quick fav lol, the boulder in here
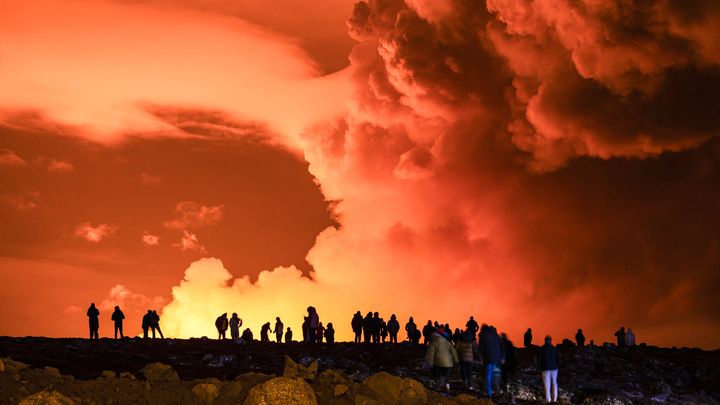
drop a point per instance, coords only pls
(282, 390)
(46, 398)
(293, 369)
(396, 390)
(108, 374)
(52, 372)
(158, 372)
(361, 399)
(206, 392)
(340, 389)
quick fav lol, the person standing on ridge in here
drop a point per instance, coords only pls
(527, 338)
(278, 329)
(235, 324)
(313, 323)
(146, 322)
(580, 338)
(548, 360)
(221, 323)
(94, 322)
(367, 327)
(427, 332)
(620, 335)
(155, 324)
(629, 338)
(410, 328)
(472, 326)
(330, 333)
(288, 335)
(393, 327)
(357, 326)
(320, 333)
(265, 332)
(117, 318)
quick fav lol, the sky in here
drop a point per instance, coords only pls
(533, 163)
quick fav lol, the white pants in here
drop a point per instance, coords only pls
(550, 381)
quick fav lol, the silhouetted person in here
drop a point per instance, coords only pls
(155, 324)
(94, 321)
(383, 330)
(472, 326)
(427, 332)
(580, 338)
(357, 326)
(288, 335)
(265, 332)
(320, 333)
(629, 338)
(313, 322)
(221, 323)
(548, 360)
(367, 327)
(375, 331)
(235, 324)
(620, 335)
(117, 318)
(146, 322)
(278, 329)
(247, 335)
(490, 351)
(393, 327)
(527, 338)
(330, 333)
(410, 328)
(509, 365)
(305, 328)
(456, 336)
(441, 355)
(467, 350)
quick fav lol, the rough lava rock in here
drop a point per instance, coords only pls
(282, 390)
(396, 390)
(158, 372)
(46, 398)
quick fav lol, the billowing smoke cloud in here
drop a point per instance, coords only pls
(480, 172)
(538, 163)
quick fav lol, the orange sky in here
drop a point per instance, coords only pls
(531, 162)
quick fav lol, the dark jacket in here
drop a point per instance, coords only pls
(393, 326)
(118, 316)
(490, 347)
(548, 358)
(357, 323)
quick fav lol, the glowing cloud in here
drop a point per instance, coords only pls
(150, 239)
(10, 158)
(190, 242)
(193, 215)
(94, 233)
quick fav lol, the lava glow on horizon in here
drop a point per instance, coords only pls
(551, 164)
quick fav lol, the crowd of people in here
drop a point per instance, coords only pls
(471, 346)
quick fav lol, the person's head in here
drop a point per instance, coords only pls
(377, 315)
(503, 336)
(430, 322)
(234, 315)
(329, 325)
(529, 330)
(358, 313)
(471, 318)
(392, 317)
(154, 312)
(150, 311)
(117, 308)
(92, 305)
(369, 315)
(288, 329)
(548, 340)
(277, 318)
(484, 328)
(622, 328)
(580, 331)
(411, 319)
(320, 324)
(440, 330)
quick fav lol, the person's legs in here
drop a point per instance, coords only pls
(444, 376)
(160, 332)
(488, 378)
(153, 331)
(145, 333)
(553, 379)
(546, 383)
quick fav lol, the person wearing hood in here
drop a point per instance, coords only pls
(330, 333)
(393, 327)
(94, 322)
(441, 355)
(357, 326)
(468, 352)
(117, 318)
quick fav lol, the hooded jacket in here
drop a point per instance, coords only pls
(441, 352)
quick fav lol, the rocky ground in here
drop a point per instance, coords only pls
(202, 371)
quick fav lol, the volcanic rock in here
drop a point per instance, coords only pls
(46, 398)
(396, 390)
(282, 390)
(206, 392)
(157, 372)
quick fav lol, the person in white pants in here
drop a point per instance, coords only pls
(548, 360)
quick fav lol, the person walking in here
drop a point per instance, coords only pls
(442, 356)
(117, 318)
(549, 361)
(468, 352)
(94, 321)
(491, 355)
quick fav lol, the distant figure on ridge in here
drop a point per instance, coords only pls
(155, 324)
(313, 322)
(411, 328)
(427, 332)
(330, 333)
(383, 330)
(441, 355)
(320, 333)
(580, 338)
(393, 327)
(629, 338)
(93, 318)
(620, 335)
(527, 338)
(472, 326)
(117, 318)
(278, 329)
(221, 323)
(146, 322)
(265, 332)
(288, 335)
(247, 335)
(305, 328)
(375, 331)
(548, 360)
(468, 352)
(235, 324)
(357, 326)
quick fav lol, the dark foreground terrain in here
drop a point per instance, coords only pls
(201, 371)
